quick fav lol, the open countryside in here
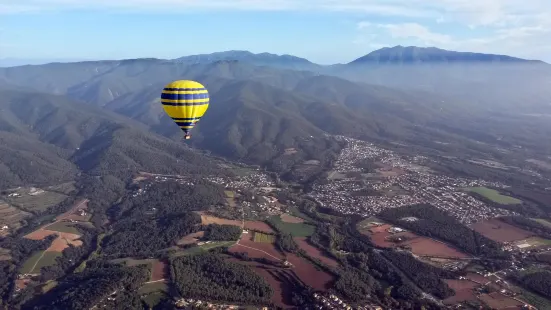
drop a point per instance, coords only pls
(494, 196)
(500, 231)
(389, 236)
(253, 225)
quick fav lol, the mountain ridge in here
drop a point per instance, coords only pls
(301, 63)
(413, 54)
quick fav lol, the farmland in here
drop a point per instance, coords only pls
(260, 237)
(191, 238)
(35, 200)
(532, 242)
(543, 222)
(63, 227)
(418, 245)
(314, 252)
(39, 260)
(230, 198)
(294, 229)
(499, 301)
(257, 249)
(464, 291)
(159, 270)
(494, 195)
(153, 293)
(309, 274)
(253, 225)
(282, 279)
(60, 243)
(287, 218)
(499, 231)
(201, 248)
(11, 216)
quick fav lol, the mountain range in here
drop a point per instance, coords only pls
(262, 105)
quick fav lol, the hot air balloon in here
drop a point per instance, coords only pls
(185, 102)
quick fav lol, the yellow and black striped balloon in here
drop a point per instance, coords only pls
(185, 102)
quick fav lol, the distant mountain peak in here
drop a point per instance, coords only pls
(413, 54)
(262, 59)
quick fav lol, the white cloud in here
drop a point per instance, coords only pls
(499, 13)
(415, 31)
(531, 41)
(522, 26)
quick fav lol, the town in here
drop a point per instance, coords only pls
(399, 182)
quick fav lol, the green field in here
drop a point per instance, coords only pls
(63, 227)
(43, 258)
(535, 299)
(64, 188)
(202, 248)
(535, 241)
(543, 222)
(153, 287)
(296, 212)
(260, 237)
(131, 262)
(494, 195)
(48, 286)
(229, 194)
(153, 299)
(294, 229)
(37, 203)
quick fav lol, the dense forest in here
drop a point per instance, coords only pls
(537, 281)
(88, 288)
(285, 243)
(433, 222)
(427, 277)
(143, 237)
(163, 210)
(216, 232)
(170, 197)
(210, 277)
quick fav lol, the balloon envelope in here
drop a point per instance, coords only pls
(185, 102)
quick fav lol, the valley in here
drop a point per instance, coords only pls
(321, 188)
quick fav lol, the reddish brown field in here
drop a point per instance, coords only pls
(287, 218)
(260, 226)
(464, 290)
(419, 245)
(257, 249)
(499, 301)
(317, 279)
(39, 234)
(315, 252)
(159, 270)
(22, 283)
(191, 238)
(60, 243)
(282, 292)
(425, 246)
(255, 225)
(499, 231)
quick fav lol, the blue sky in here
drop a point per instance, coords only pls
(324, 31)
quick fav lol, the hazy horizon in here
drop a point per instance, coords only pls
(324, 32)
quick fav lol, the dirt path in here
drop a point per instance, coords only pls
(36, 263)
(248, 247)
